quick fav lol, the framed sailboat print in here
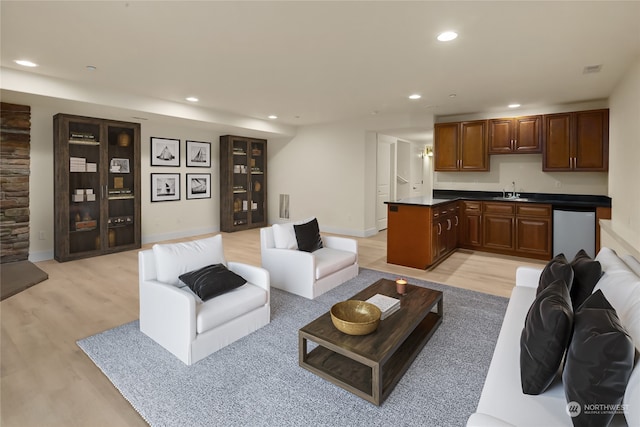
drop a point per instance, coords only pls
(165, 152)
(198, 186)
(165, 187)
(198, 154)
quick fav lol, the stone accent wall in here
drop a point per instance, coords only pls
(15, 160)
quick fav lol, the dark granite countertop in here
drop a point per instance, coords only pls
(558, 201)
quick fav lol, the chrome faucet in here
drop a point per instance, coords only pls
(514, 195)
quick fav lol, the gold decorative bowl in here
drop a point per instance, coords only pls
(355, 317)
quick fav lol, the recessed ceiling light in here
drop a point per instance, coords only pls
(26, 63)
(447, 36)
(452, 95)
(592, 69)
(513, 105)
(415, 96)
(273, 116)
(192, 99)
(91, 67)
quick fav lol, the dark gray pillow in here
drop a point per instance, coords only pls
(211, 281)
(586, 273)
(599, 361)
(545, 337)
(557, 268)
(308, 236)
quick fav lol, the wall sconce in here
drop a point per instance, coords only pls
(428, 152)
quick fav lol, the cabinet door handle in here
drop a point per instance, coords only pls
(448, 224)
(439, 229)
(457, 220)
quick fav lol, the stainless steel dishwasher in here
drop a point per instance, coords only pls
(574, 229)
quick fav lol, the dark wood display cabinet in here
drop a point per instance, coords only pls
(97, 186)
(243, 183)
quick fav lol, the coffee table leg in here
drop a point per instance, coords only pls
(302, 349)
(376, 383)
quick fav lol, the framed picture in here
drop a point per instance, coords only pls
(165, 152)
(198, 186)
(165, 187)
(119, 165)
(198, 154)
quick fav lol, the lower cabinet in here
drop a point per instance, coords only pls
(533, 230)
(420, 236)
(510, 228)
(471, 226)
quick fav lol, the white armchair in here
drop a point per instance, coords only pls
(309, 274)
(177, 319)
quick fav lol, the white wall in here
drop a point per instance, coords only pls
(624, 158)
(323, 170)
(161, 220)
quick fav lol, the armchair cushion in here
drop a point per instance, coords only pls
(329, 260)
(211, 281)
(175, 259)
(308, 236)
(284, 237)
(228, 306)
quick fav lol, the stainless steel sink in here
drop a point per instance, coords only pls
(511, 199)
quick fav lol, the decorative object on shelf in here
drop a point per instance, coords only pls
(257, 186)
(112, 238)
(198, 186)
(118, 182)
(355, 317)
(401, 286)
(198, 154)
(119, 165)
(165, 187)
(165, 152)
(124, 139)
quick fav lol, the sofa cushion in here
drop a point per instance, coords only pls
(586, 273)
(228, 306)
(599, 361)
(174, 259)
(557, 268)
(211, 281)
(329, 260)
(308, 236)
(545, 337)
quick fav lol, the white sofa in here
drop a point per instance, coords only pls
(502, 402)
(177, 319)
(308, 274)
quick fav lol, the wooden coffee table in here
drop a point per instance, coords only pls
(371, 365)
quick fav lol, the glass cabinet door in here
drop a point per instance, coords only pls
(120, 187)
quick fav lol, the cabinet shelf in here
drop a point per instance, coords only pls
(122, 197)
(79, 142)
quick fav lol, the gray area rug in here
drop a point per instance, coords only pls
(256, 381)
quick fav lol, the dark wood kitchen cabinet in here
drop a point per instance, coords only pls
(576, 141)
(515, 135)
(498, 226)
(471, 227)
(533, 230)
(461, 146)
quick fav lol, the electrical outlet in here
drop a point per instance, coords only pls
(42, 235)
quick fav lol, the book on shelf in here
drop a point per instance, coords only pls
(387, 305)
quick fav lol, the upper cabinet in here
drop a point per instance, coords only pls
(577, 141)
(461, 146)
(515, 135)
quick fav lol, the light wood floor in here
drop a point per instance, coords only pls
(47, 380)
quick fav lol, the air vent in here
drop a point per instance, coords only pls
(592, 69)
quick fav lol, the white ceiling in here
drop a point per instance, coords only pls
(314, 62)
